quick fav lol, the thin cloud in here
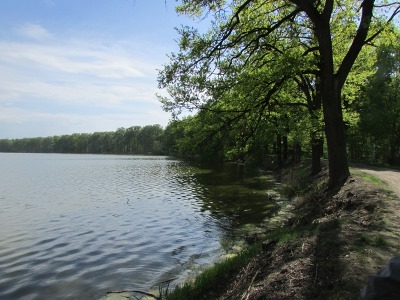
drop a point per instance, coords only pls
(72, 58)
(46, 79)
(34, 31)
(75, 71)
(75, 93)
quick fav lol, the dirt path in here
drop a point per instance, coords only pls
(391, 177)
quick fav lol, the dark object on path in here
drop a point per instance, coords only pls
(384, 285)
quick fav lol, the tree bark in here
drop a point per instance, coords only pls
(317, 146)
(279, 151)
(285, 148)
(296, 153)
(336, 139)
(332, 108)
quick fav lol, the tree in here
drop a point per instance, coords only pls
(262, 32)
(131, 139)
(119, 139)
(382, 102)
(149, 139)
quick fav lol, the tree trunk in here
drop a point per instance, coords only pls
(279, 150)
(285, 148)
(317, 148)
(394, 149)
(331, 83)
(296, 153)
(335, 136)
(332, 109)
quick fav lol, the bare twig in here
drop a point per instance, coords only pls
(136, 292)
(246, 294)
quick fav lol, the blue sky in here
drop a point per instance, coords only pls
(71, 66)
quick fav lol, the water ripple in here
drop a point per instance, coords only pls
(79, 225)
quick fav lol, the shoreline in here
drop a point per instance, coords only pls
(329, 246)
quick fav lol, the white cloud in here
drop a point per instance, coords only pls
(73, 59)
(77, 93)
(34, 31)
(75, 71)
(46, 73)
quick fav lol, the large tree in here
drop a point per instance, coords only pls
(262, 33)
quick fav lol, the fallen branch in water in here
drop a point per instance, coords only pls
(136, 292)
(161, 287)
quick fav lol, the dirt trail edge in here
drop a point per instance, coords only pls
(391, 177)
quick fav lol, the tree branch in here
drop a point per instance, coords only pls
(390, 19)
(358, 42)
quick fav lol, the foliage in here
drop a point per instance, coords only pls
(133, 140)
(380, 114)
(262, 60)
(258, 88)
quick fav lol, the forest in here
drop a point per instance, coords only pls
(291, 126)
(133, 140)
(282, 134)
(292, 75)
(270, 83)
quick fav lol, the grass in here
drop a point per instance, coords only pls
(375, 241)
(283, 234)
(210, 278)
(370, 178)
(216, 276)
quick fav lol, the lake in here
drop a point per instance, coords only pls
(76, 226)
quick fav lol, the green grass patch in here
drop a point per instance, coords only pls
(211, 278)
(375, 241)
(370, 178)
(216, 276)
(283, 234)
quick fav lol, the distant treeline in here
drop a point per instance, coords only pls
(133, 140)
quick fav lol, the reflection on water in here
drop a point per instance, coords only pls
(237, 194)
(76, 226)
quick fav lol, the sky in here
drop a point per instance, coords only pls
(82, 66)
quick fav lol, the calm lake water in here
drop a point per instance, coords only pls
(77, 226)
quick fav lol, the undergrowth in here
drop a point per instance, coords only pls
(212, 277)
